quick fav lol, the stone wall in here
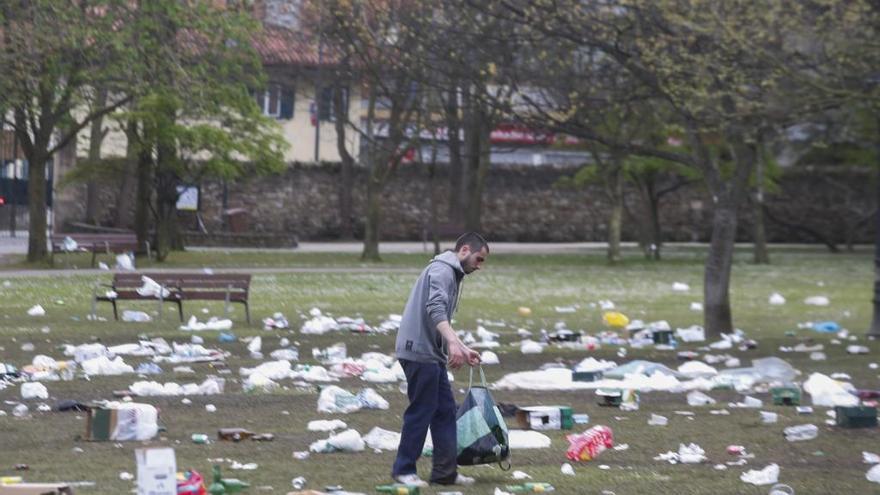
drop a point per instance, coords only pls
(521, 203)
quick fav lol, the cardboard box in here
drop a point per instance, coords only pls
(156, 471)
(36, 489)
(545, 418)
(100, 424)
(128, 421)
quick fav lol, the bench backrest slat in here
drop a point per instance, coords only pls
(187, 281)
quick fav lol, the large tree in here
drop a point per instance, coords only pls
(193, 117)
(53, 56)
(385, 52)
(685, 60)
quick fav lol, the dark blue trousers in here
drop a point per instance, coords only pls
(430, 405)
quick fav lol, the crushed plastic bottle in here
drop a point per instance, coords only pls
(20, 411)
(298, 483)
(801, 432)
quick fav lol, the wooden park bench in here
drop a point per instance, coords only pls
(444, 231)
(230, 288)
(110, 243)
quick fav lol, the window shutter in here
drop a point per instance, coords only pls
(286, 103)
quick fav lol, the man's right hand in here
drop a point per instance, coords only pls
(460, 354)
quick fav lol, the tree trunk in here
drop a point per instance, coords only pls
(144, 196)
(716, 283)
(728, 194)
(656, 232)
(479, 169)
(373, 219)
(96, 137)
(615, 219)
(128, 183)
(37, 250)
(168, 235)
(453, 128)
(346, 227)
(761, 256)
(164, 229)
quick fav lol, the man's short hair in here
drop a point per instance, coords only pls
(472, 240)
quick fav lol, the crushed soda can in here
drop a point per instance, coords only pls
(735, 449)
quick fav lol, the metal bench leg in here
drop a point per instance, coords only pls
(95, 302)
(115, 313)
(247, 312)
(226, 302)
(94, 254)
(180, 310)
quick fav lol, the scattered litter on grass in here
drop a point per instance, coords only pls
(36, 311)
(766, 476)
(380, 439)
(125, 262)
(326, 425)
(817, 301)
(34, 390)
(213, 323)
(346, 441)
(528, 439)
(135, 316)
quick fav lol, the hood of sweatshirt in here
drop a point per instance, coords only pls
(451, 259)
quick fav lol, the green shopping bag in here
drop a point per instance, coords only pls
(482, 433)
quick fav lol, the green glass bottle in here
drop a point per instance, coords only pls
(216, 487)
(398, 489)
(531, 488)
(233, 485)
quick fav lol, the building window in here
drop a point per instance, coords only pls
(275, 101)
(327, 110)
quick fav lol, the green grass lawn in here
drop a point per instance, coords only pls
(640, 289)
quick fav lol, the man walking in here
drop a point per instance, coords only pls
(426, 343)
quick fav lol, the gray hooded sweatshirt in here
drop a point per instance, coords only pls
(433, 299)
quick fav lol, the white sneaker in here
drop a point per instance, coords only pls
(412, 480)
(461, 479)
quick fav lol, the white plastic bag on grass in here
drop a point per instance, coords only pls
(347, 441)
(873, 474)
(827, 392)
(135, 422)
(489, 357)
(334, 399)
(697, 398)
(766, 476)
(36, 311)
(380, 439)
(326, 425)
(34, 390)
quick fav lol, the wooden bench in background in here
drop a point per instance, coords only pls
(229, 288)
(110, 243)
(443, 231)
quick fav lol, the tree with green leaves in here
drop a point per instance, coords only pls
(386, 55)
(192, 117)
(683, 61)
(54, 56)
